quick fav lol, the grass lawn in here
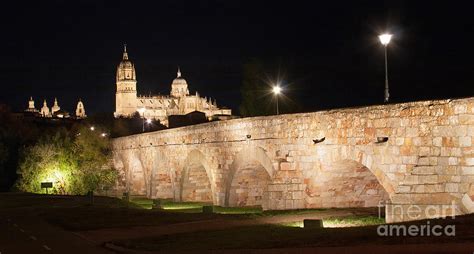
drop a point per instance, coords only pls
(187, 207)
(89, 218)
(341, 222)
(76, 213)
(352, 221)
(139, 213)
(248, 212)
(193, 207)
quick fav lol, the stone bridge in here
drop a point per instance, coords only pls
(416, 157)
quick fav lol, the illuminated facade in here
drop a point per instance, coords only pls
(55, 110)
(158, 107)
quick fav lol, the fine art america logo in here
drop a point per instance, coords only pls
(416, 212)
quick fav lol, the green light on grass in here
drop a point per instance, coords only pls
(294, 224)
(342, 222)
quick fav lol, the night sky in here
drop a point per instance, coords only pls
(327, 51)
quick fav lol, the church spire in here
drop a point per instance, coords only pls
(80, 110)
(31, 105)
(179, 72)
(55, 107)
(125, 54)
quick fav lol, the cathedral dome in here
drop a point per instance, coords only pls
(126, 69)
(179, 80)
(179, 86)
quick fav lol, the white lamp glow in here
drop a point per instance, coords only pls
(276, 90)
(385, 39)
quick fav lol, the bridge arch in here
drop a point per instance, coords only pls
(336, 154)
(148, 161)
(345, 176)
(122, 178)
(249, 176)
(346, 183)
(161, 175)
(197, 181)
(156, 173)
(136, 180)
(126, 158)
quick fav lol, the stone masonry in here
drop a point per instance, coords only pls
(417, 153)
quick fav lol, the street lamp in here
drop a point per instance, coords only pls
(148, 122)
(385, 40)
(276, 92)
(142, 113)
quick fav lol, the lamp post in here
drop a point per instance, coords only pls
(142, 112)
(276, 92)
(385, 40)
(148, 123)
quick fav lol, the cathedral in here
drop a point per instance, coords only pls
(55, 110)
(159, 107)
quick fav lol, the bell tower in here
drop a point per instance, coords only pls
(126, 95)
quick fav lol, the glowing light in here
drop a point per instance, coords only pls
(385, 39)
(58, 175)
(92, 128)
(103, 134)
(58, 178)
(294, 224)
(148, 121)
(276, 89)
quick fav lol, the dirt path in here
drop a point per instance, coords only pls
(110, 234)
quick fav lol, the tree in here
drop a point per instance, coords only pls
(4, 155)
(254, 89)
(14, 134)
(50, 160)
(93, 151)
(75, 161)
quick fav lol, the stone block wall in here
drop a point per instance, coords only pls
(417, 153)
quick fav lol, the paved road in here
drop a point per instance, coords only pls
(452, 248)
(22, 231)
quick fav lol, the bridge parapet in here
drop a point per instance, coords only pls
(417, 153)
